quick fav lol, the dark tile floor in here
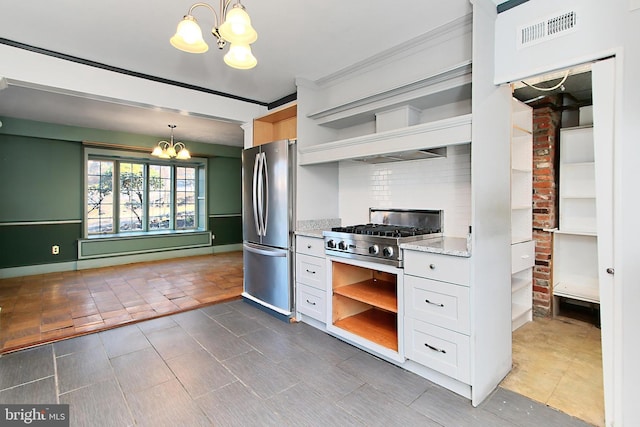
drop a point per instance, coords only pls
(230, 364)
(49, 307)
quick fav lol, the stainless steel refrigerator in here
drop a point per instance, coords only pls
(268, 191)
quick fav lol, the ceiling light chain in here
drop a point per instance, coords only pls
(231, 25)
(169, 149)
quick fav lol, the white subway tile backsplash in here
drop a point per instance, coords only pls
(441, 183)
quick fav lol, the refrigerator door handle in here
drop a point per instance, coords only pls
(260, 250)
(260, 189)
(255, 194)
(265, 215)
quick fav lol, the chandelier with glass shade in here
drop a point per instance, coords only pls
(170, 149)
(232, 25)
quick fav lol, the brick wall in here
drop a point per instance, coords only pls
(546, 121)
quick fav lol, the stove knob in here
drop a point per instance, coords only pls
(374, 250)
(331, 244)
(342, 246)
(387, 251)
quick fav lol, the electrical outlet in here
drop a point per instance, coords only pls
(55, 250)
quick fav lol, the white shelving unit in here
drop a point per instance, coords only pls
(575, 255)
(522, 245)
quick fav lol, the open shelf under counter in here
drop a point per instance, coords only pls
(377, 293)
(377, 326)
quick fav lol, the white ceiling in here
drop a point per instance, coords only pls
(306, 39)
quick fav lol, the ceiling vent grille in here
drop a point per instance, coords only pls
(547, 29)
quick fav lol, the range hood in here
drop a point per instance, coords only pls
(428, 153)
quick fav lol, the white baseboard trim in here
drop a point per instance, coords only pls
(31, 270)
(227, 248)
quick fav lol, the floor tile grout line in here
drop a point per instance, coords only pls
(26, 383)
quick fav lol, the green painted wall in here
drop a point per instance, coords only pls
(41, 168)
(12, 126)
(42, 179)
(225, 185)
(22, 245)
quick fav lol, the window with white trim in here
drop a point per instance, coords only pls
(142, 195)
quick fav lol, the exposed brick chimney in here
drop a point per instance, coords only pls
(546, 123)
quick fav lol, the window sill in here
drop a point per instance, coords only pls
(142, 234)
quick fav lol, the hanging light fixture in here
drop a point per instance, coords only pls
(231, 25)
(169, 149)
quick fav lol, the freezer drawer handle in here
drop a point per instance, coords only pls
(309, 271)
(434, 303)
(312, 303)
(439, 350)
(257, 250)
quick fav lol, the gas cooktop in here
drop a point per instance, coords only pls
(379, 242)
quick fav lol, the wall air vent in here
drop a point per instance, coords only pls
(547, 29)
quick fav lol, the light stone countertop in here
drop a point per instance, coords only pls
(455, 246)
(310, 233)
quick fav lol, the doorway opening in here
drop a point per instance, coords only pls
(557, 357)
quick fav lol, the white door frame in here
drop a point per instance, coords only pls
(603, 77)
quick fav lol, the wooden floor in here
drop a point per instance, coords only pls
(50, 307)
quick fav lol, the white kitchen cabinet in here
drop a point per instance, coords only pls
(437, 314)
(575, 254)
(522, 245)
(311, 294)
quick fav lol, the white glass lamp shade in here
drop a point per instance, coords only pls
(188, 36)
(237, 27)
(171, 151)
(183, 154)
(157, 151)
(240, 56)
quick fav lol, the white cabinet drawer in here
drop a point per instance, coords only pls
(522, 256)
(446, 268)
(310, 270)
(311, 301)
(442, 304)
(313, 246)
(439, 349)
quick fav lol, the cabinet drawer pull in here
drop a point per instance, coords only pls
(308, 246)
(524, 256)
(434, 303)
(311, 303)
(432, 266)
(309, 271)
(439, 350)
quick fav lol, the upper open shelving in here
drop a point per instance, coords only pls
(439, 133)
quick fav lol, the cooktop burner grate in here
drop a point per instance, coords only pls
(385, 230)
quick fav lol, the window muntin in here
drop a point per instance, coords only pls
(185, 197)
(100, 196)
(132, 196)
(160, 197)
(136, 196)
